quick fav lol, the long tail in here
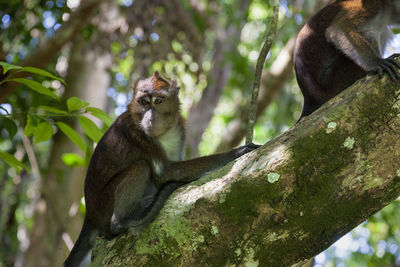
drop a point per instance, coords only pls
(82, 246)
(157, 205)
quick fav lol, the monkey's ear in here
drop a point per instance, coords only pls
(174, 89)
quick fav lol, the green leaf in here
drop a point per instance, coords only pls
(75, 103)
(101, 115)
(34, 85)
(7, 67)
(72, 135)
(72, 159)
(43, 132)
(12, 161)
(10, 126)
(42, 73)
(53, 110)
(31, 123)
(90, 128)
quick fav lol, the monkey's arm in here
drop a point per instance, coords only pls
(189, 170)
(362, 48)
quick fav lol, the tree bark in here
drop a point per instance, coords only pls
(285, 202)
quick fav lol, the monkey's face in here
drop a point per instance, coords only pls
(155, 107)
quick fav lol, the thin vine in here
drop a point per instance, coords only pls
(270, 36)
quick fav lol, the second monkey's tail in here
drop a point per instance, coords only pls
(82, 246)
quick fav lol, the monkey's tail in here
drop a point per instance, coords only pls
(157, 205)
(82, 246)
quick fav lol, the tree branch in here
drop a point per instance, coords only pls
(50, 48)
(288, 200)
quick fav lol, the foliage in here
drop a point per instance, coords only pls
(41, 120)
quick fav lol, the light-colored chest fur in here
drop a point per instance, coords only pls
(172, 143)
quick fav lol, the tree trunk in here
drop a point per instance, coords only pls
(58, 212)
(285, 202)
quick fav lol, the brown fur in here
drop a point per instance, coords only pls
(336, 47)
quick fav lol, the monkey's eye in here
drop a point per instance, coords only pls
(158, 101)
(144, 101)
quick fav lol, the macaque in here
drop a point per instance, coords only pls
(138, 163)
(342, 43)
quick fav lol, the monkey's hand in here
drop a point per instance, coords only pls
(389, 65)
(246, 149)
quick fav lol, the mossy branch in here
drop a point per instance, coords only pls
(288, 200)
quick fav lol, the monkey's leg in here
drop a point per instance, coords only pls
(313, 94)
(133, 194)
(152, 211)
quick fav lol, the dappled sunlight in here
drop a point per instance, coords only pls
(268, 160)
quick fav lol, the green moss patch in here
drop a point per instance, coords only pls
(241, 203)
(376, 111)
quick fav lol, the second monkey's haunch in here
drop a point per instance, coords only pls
(137, 165)
(341, 44)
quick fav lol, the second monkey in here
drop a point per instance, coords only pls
(341, 44)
